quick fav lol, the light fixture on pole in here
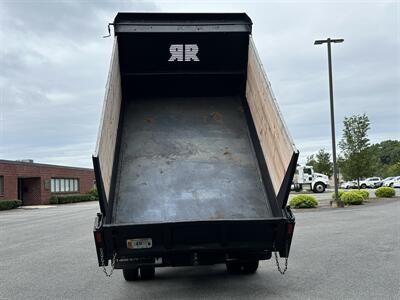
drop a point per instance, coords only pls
(337, 201)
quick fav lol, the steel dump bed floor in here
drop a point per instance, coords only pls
(187, 159)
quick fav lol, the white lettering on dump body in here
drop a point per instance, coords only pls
(178, 54)
(191, 52)
(176, 51)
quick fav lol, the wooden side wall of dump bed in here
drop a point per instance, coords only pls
(277, 145)
(190, 145)
(106, 146)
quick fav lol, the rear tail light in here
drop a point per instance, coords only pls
(98, 237)
(290, 228)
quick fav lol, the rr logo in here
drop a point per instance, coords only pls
(182, 52)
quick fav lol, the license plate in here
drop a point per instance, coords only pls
(139, 243)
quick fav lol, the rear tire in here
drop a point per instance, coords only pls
(363, 186)
(233, 267)
(131, 274)
(237, 267)
(147, 272)
(250, 267)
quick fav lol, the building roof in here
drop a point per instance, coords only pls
(15, 162)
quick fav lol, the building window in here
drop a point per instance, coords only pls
(53, 185)
(1, 185)
(64, 185)
(67, 185)
(47, 184)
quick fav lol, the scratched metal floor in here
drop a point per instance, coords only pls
(187, 159)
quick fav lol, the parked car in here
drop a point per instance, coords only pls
(378, 184)
(371, 182)
(349, 185)
(396, 184)
(390, 181)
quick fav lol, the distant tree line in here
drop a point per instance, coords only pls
(359, 158)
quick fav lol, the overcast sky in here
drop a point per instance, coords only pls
(54, 64)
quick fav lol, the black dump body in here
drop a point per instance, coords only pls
(188, 170)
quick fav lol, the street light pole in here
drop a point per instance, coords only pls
(337, 201)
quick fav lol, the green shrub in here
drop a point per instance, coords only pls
(10, 204)
(363, 193)
(61, 199)
(303, 201)
(385, 192)
(352, 198)
(94, 193)
(340, 192)
(53, 200)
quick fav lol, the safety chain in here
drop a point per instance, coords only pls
(278, 265)
(103, 263)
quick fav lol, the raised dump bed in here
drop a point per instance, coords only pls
(193, 162)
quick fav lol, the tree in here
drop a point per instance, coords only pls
(386, 157)
(355, 147)
(388, 152)
(341, 166)
(311, 161)
(321, 162)
(392, 170)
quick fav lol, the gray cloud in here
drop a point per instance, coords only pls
(54, 65)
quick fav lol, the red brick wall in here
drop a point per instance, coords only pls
(10, 185)
(13, 170)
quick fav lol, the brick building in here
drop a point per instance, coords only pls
(34, 183)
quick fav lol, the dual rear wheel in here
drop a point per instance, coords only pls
(240, 267)
(233, 267)
(146, 273)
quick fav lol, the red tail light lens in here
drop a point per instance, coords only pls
(290, 228)
(98, 237)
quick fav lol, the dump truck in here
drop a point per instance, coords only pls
(193, 161)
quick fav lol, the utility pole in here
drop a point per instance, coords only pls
(337, 202)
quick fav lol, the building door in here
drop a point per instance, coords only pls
(20, 193)
(29, 190)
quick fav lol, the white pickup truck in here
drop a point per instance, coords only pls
(371, 182)
(305, 176)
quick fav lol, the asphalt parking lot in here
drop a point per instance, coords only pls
(350, 253)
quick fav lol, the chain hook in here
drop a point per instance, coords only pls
(109, 30)
(279, 266)
(108, 274)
